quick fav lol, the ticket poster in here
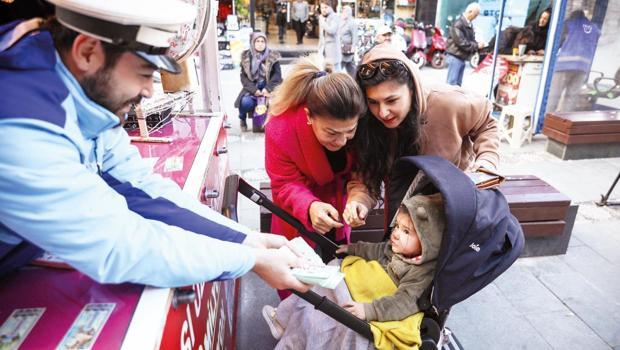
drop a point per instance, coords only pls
(16, 328)
(86, 327)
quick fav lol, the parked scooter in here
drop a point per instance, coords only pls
(436, 48)
(417, 48)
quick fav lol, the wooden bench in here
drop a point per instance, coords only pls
(546, 216)
(581, 135)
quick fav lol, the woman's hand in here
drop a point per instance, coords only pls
(355, 308)
(266, 93)
(324, 217)
(258, 93)
(342, 248)
(355, 214)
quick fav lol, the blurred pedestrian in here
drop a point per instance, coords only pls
(462, 44)
(299, 16)
(348, 36)
(281, 21)
(577, 49)
(329, 40)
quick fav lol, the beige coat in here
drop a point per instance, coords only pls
(457, 124)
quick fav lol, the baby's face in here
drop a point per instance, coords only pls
(404, 237)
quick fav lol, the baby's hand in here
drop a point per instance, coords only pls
(342, 248)
(355, 308)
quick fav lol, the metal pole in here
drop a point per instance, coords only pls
(498, 33)
(252, 20)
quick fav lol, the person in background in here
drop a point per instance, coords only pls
(266, 12)
(577, 49)
(260, 75)
(329, 39)
(313, 115)
(348, 36)
(281, 21)
(462, 44)
(384, 34)
(70, 181)
(539, 29)
(299, 16)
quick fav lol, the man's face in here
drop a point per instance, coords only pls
(472, 14)
(120, 85)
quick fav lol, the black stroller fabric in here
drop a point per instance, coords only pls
(482, 238)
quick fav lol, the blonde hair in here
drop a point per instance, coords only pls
(325, 93)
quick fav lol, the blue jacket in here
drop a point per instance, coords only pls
(71, 184)
(579, 45)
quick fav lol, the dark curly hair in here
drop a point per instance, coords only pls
(372, 139)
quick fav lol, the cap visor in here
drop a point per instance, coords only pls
(162, 62)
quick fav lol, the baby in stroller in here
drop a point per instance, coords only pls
(405, 265)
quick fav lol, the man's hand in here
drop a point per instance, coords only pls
(265, 93)
(355, 308)
(274, 267)
(269, 241)
(355, 214)
(264, 240)
(258, 93)
(481, 45)
(324, 217)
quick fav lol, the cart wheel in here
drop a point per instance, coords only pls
(439, 60)
(428, 344)
(430, 329)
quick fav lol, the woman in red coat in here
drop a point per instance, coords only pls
(313, 116)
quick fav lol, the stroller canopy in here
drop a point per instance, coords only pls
(482, 238)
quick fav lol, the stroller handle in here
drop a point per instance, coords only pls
(328, 247)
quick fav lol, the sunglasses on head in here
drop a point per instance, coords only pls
(387, 68)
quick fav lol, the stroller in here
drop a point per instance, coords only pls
(481, 240)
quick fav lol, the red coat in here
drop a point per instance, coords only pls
(300, 172)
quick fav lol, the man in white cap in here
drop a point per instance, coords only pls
(71, 184)
(384, 34)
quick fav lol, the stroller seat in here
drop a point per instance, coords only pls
(481, 240)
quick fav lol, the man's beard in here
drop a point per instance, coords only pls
(98, 87)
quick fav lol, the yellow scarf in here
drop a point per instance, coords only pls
(368, 281)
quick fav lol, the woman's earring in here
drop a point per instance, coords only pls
(308, 122)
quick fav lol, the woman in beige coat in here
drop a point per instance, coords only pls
(406, 118)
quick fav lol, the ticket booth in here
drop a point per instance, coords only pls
(49, 305)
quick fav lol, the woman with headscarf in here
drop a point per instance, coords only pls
(348, 35)
(260, 75)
